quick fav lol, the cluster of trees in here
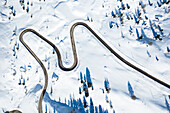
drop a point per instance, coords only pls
(137, 18)
(89, 19)
(21, 81)
(22, 3)
(12, 12)
(106, 85)
(82, 105)
(86, 81)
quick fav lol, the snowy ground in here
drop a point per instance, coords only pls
(53, 20)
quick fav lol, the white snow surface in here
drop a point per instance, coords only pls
(53, 19)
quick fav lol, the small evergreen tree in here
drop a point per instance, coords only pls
(150, 3)
(157, 58)
(88, 77)
(148, 53)
(79, 90)
(111, 106)
(113, 15)
(53, 51)
(137, 33)
(127, 16)
(122, 6)
(111, 24)
(85, 102)
(106, 85)
(146, 17)
(17, 46)
(159, 4)
(81, 77)
(84, 78)
(23, 82)
(136, 20)
(168, 49)
(19, 82)
(100, 109)
(117, 25)
(91, 106)
(51, 90)
(107, 100)
(127, 5)
(156, 36)
(122, 35)
(131, 92)
(96, 109)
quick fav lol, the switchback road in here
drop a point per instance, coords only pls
(75, 57)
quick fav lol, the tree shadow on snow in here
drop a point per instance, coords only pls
(58, 106)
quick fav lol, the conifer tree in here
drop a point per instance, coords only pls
(81, 77)
(91, 106)
(85, 102)
(88, 77)
(168, 49)
(131, 92)
(100, 109)
(106, 85)
(51, 90)
(23, 82)
(79, 90)
(96, 109)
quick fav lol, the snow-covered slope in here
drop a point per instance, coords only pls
(53, 19)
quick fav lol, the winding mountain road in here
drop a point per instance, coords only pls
(75, 57)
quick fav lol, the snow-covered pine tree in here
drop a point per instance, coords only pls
(106, 85)
(150, 3)
(81, 77)
(84, 78)
(85, 89)
(51, 91)
(111, 24)
(17, 46)
(23, 81)
(156, 36)
(100, 109)
(168, 50)
(27, 9)
(113, 15)
(79, 90)
(107, 100)
(127, 5)
(19, 82)
(137, 33)
(157, 58)
(85, 102)
(91, 106)
(88, 77)
(111, 106)
(131, 92)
